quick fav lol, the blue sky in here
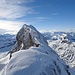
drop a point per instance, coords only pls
(43, 14)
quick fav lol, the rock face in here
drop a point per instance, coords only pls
(27, 36)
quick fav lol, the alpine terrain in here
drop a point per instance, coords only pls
(31, 55)
(64, 45)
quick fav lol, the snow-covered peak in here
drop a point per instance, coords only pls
(28, 36)
(29, 26)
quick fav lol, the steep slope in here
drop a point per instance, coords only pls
(31, 55)
(64, 44)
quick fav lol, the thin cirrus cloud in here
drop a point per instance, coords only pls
(18, 1)
(42, 18)
(54, 14)
(11, 9)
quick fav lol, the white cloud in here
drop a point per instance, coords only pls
(10, 26)
(43, 31)
(18, 1)
(10, 10)
(14, 8)
(70, 30)
(2, 31)
(42, 18)
(54, 13)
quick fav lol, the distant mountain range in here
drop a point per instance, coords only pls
(6, 42)
(64, 45)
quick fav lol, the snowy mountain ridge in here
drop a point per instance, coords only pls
(31, 55)
(64, 45)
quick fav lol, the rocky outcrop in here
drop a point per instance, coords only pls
(27, 37)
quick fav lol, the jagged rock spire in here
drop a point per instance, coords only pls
(28, 36)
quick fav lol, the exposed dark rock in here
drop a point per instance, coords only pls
(26, 37)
